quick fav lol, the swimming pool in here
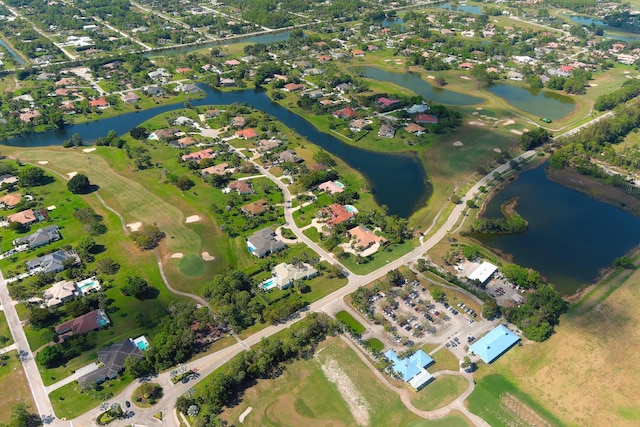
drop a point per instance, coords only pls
(338, 184)
(351, 209)
(268, 284)
(141, 342)
(89, 285)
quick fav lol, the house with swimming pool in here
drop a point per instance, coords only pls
(283, 275)
(263, 242)
(88, 322)
(113, 359)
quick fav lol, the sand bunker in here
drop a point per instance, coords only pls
(244, 414)
(497, 150)
(458, 144)
(50, 208)
(509, 122)
(431, 77)
(43, 162)
(207, 257)
(134, 226)
(479, 108)
(72, 174)
(192, 218)
(593, 85)
(89, 150)
(177, 255)
(475, 113)
(465, 78)
(475, 123)
(517, 132)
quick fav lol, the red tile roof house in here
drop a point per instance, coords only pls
(386, 102)
(29, 115)
(183, 70)
(10, 200)
(364, 238)
(426, 118)
(186, 141)
(238, 122)
(242, 187)
(337, 214)
(198, 156)
(83, 324)
(255, 208)
(292, 87)
(414, 129)
(345, 113)
(232, 62)
(358, 52)
(24, 217)
(246, 133)
(99, 103)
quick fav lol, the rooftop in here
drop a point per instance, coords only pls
(494, 344)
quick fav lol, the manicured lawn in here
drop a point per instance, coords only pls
(454, 419)
(71, 401)
(15, 386)
(445, 361)
(350, 321)
(441, 391)
(312, 233)
(379, 259)
(192, 265)
(375, 344)
(5, 331)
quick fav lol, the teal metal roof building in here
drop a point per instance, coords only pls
(412, 369)
(494, 344)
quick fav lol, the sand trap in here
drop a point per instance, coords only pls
(72, 174)
(509, 122)
(517, 132)
(244, 414)
(431, 77)
(465, 78)
(479, 108)
(134, 226)
(43, 162)
(192, 218)
(458, 144)
(475, 113)
(593, 84)
(50, 208)
(497, 150)
(207, 257)
(626, 72)
(177, 255)
(474, 123)
(89, 150)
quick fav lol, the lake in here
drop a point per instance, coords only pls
(474, 10)
(609, 32)
(570, 236)
(534, 101)
(399, 181)
(421, 87)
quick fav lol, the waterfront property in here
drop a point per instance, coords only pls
(412, 369)
(494, 344)
(264, 242)
(39, 237)
(483, 273)
(91, 321)
(112, 360)
(332, 187)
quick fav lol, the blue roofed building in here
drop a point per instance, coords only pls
(494, 344)
(412, 369)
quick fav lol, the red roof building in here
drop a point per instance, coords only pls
(426, 118)
(337, 214)
(386, 102)
(345, 113)
(247, 133)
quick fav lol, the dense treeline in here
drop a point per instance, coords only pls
(630, 89)
(534, 138)
(266, 360)
(578, 149)
(527, 278)
(539, 314)
(230, 295)
(512, 224)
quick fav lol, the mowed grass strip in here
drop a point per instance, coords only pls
(350, 321)
(440, 392)
(5, 331)
(16, 388)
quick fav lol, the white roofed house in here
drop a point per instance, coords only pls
(285, 274)
(60, 292)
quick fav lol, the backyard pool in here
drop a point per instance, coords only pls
(350, 208)
(88, 285)
(268, 284)
(141, 342)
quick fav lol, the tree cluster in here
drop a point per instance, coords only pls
(539, 314)
(91, 221)
(148, 237)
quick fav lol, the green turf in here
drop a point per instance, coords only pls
(440, 392)
(192, 265)
(375, 345)
(350, 321)
(4, 331)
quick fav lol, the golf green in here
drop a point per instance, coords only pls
(192, 265)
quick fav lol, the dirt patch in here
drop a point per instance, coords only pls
(528, 415)
(595, 188)
(192, 218)
(207, 257)
(355, 401)
(43, 162)
(72, 174)
(134, 226)
(244, 414)
(89, 150)
(177, 255)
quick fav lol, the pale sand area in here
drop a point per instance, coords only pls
(192, 218)
(517, 132)
(134, 226)
(458, 144)
(431, 77)
(51, 208)
(43, 162)
(177, 255)
(244, 414)
(72, 174)
(475, 123)
(465, 77)
(497, 150)
(89, 150)
(509, 122)
(207, 257)
(479, 108)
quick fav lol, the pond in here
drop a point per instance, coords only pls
(474, 10)
(421, 87)
(570, 236)
(398, 181)
(12, 52)
(609, 32)
(534, 101)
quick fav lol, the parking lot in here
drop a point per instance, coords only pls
(505, 293)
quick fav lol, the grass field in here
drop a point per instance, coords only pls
(441, 391)
(350, 321)
(304, 396)
(15, 385)
(4, 331)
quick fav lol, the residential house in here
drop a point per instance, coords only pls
(266, 145)
(183, 121)
(26, 217)
(414, 129)
(220, 169)
(264, 242)
(231, 62)
(112, 360)
(10, 200)
(7, 179)
(287, 156)
(183, 70)
(238, 122)
(198, 156)
(53, 262)
(130, 98)
(364, 238)
(331, 187)
(358, 125)
(418, 108)
(385, 102)
(246, 133)
(82, 324)
(255, 208)
(324, 59)
(60, 292)
(40, 237)
(153, 90)
(286, 274)
(242, 187)
(28, 116)
(315, 94)
(292, 87)
(426, 119)
(358, 53)
(386, 131)
(344, 87)
(515, 75)
(163, 134)
(99, 103)
(337, 214)
(187, 88)
(227, 82)
(186, 141)
(345, 113)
